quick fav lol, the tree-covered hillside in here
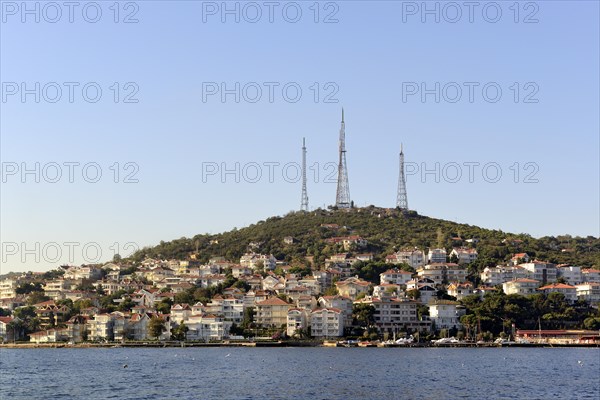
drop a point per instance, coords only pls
(387, 230)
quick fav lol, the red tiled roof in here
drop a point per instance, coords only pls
(525, 280)
(273, 301)
(557, 286)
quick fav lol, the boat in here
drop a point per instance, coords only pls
(405, 341)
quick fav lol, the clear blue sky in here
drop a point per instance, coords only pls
(375, 46)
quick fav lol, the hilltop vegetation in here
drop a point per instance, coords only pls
(387, 230)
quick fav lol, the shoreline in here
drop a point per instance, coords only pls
(266, 344)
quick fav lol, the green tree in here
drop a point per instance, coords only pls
(126, 304)
(363, 315)
(37, 297)
(28, 287)
(164, 306)
(156, 327)
(248, 319)
(592, 323)
(179, 332)
(413, 294)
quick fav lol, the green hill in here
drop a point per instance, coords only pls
(386, 230)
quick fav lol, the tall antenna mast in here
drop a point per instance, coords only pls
(342, 198)
(402, 199)
(304, 202)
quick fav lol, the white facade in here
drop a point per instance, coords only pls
(207, 327)
(571, 274)
(541, 271)
(339, 302)
(7, 288)
(297, 319)
(589, 292)
(523, 286)
(395, 277)
(253, 260)
(327, 322)
(414, 258)
(570, 292)
(446, 314)
(590, 275)
(437, 256)
(464, 255)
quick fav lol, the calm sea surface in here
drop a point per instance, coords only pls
(299, 373)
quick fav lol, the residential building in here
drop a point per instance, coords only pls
(272, 312)
(348, 241)
(590, 275)
(414, 258)
(426, 288)
(76, 328)
(327, 322)
(541, 271)
(461, 290)
(590, 292)
(89, 272)
(55, 288)
(48, 336)
(239, 270)
(51, 314)
(207, 327)
(100, 328)
(442, 273)
(571, 274)
(352, 287)
(437, 256)
(570, 292)
(8, 288)
(522, 286)
(499, 274)
(340, 302)
(519, 258)
(464, 255)
(5, 334)
(445, 314)
(297, 319)
(387, 290)
(254, 261)
(396, 314)
(395, 276)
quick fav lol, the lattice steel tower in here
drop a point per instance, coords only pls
(402, 200)
(304, 202)
(342, 198)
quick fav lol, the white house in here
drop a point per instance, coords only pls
(395, 276)
(339, 302)
(572, 274)
(590, 292)
(327, 322)
(461, 290)
(590, 275)
(464, 255)
(437, 256)
(522, 286)
(519, 258)
(570, 292)
(541, 271)
(414, 258)
(297, 319)
(445, 314)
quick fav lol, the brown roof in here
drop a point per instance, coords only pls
(557, 286)
(273, 301)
